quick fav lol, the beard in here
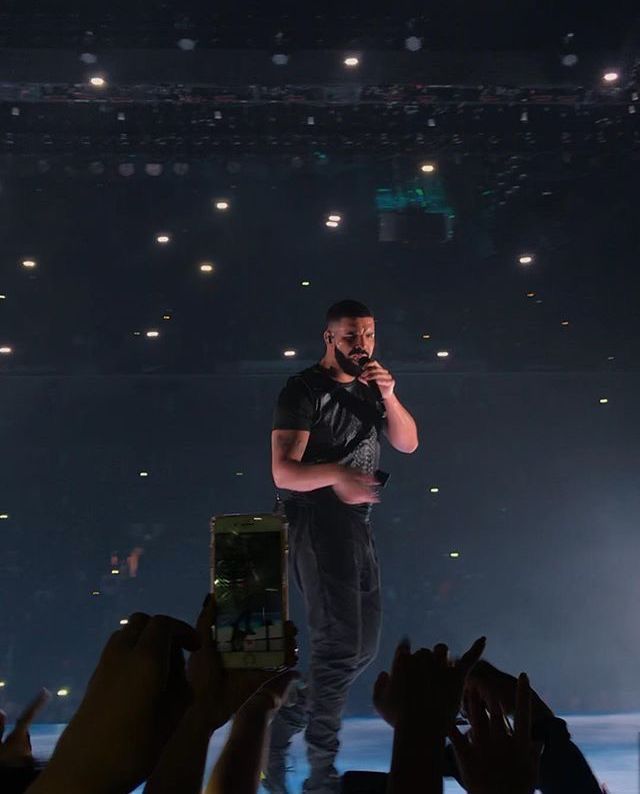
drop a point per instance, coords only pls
(347, 364)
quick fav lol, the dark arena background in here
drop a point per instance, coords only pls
(183, 193)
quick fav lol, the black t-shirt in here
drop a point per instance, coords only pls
(344, 420)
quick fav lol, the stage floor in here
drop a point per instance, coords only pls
(609, 742)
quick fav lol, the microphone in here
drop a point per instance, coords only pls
(362, 362)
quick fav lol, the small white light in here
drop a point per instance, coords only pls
(571, 59)
(4, 516)
(257, 518)
(610, 77)
(206, 267)
(222, 205)
(98, 82)
(336, 218)
(351, 61)
(305, 283)
(289, 353)
(332, 224)
(5, 351)
(413, 43)
(426, 336)
(280, 59)
(434, 490)
(239, 474)
(603, 401)
(144, 474)
(3, 297)
(114, 571)
(95, 593)
(565, 322)
(124, 622)
(153, 334)
(15, 111)
(310, 121)
(443, 354)
(163, 239)
(2, 684)
(427, 168)
(524, 116)
(525, 259)
(62, 693)
(30, 263)
(454, 554)
(186, 44)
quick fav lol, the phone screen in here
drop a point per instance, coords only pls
(249, 592)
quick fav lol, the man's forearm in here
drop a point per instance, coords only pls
(306, 476)
(402, 430)
(181, 766)
(418, 755)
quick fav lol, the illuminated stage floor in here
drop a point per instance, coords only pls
(610, 743)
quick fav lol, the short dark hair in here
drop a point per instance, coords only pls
(347, 308)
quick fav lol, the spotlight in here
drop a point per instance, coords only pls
(443, 354)
(280, 59)
(206, 267)
(3, 684)
(4, 516)
(305, 283)
(222, 205)
(153, 334)
(525, 259)
(332, 224)
(5, 351)
(335, 218)
(611, 76)
(98, 82)
(434, 490)
(124, 622)
(603, 401)
(413, 43)
(289, 353)
(351, 61)
(454, 555)
(163, 239)
(28, 263)
(62, 693)
(114, 571)
(144, 473)
(427, 168)
(426, 336)
(3, 297)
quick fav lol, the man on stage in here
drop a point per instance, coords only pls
(325, 452)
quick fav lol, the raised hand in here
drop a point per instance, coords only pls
(15, 750)
(425, 688)
(492, 757)
(223, 692)
(131, 705)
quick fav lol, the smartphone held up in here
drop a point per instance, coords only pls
(249, 579)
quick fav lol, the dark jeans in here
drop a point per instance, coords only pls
(334, 564)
